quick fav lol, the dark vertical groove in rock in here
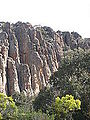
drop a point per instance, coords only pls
(7, 85)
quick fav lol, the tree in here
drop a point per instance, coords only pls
(25, 108)
(65, 106)
(73, 77)
(44, 100)
(8, 108)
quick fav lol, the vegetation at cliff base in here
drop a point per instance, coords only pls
(73, 77)
(8, 109)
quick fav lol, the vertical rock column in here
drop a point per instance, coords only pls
(3, 75)
(35, 82)
(0, 80)
(13, 48)
(25, 79)
(12, 79)
(3, 59)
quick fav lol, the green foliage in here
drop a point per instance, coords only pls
(66, 105)
(33, 116)
(44, 100)
(73, 77)
(19, 98)
(25, 109)
(22, 101)
(8, 108)
(0, 116)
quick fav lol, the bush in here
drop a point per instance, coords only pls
(44, 100)
(25, 109)
(8, 108)
(65, 106)
(27, 115)
(73, 77)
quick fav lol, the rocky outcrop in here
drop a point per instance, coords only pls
(74, 40)
(30, 54)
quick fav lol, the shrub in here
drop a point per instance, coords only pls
(27, 115)
(8, 108)
(44, 100)
(65, 106)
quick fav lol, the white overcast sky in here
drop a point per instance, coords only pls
(65, 15)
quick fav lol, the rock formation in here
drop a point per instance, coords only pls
(74, 40)
(30, 54)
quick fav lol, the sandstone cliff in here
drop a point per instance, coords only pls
(30, 54)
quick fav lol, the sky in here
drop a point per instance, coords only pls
(63, 15)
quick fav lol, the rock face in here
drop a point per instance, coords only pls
(30, 54)
(28, 57)
(12, 78)
(74, 40)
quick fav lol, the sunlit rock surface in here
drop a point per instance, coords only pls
(30, 54)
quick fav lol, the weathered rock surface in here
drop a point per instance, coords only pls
(30, 54)
(12, 78)
(74, 40)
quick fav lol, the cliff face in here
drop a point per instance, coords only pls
(29, 55)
